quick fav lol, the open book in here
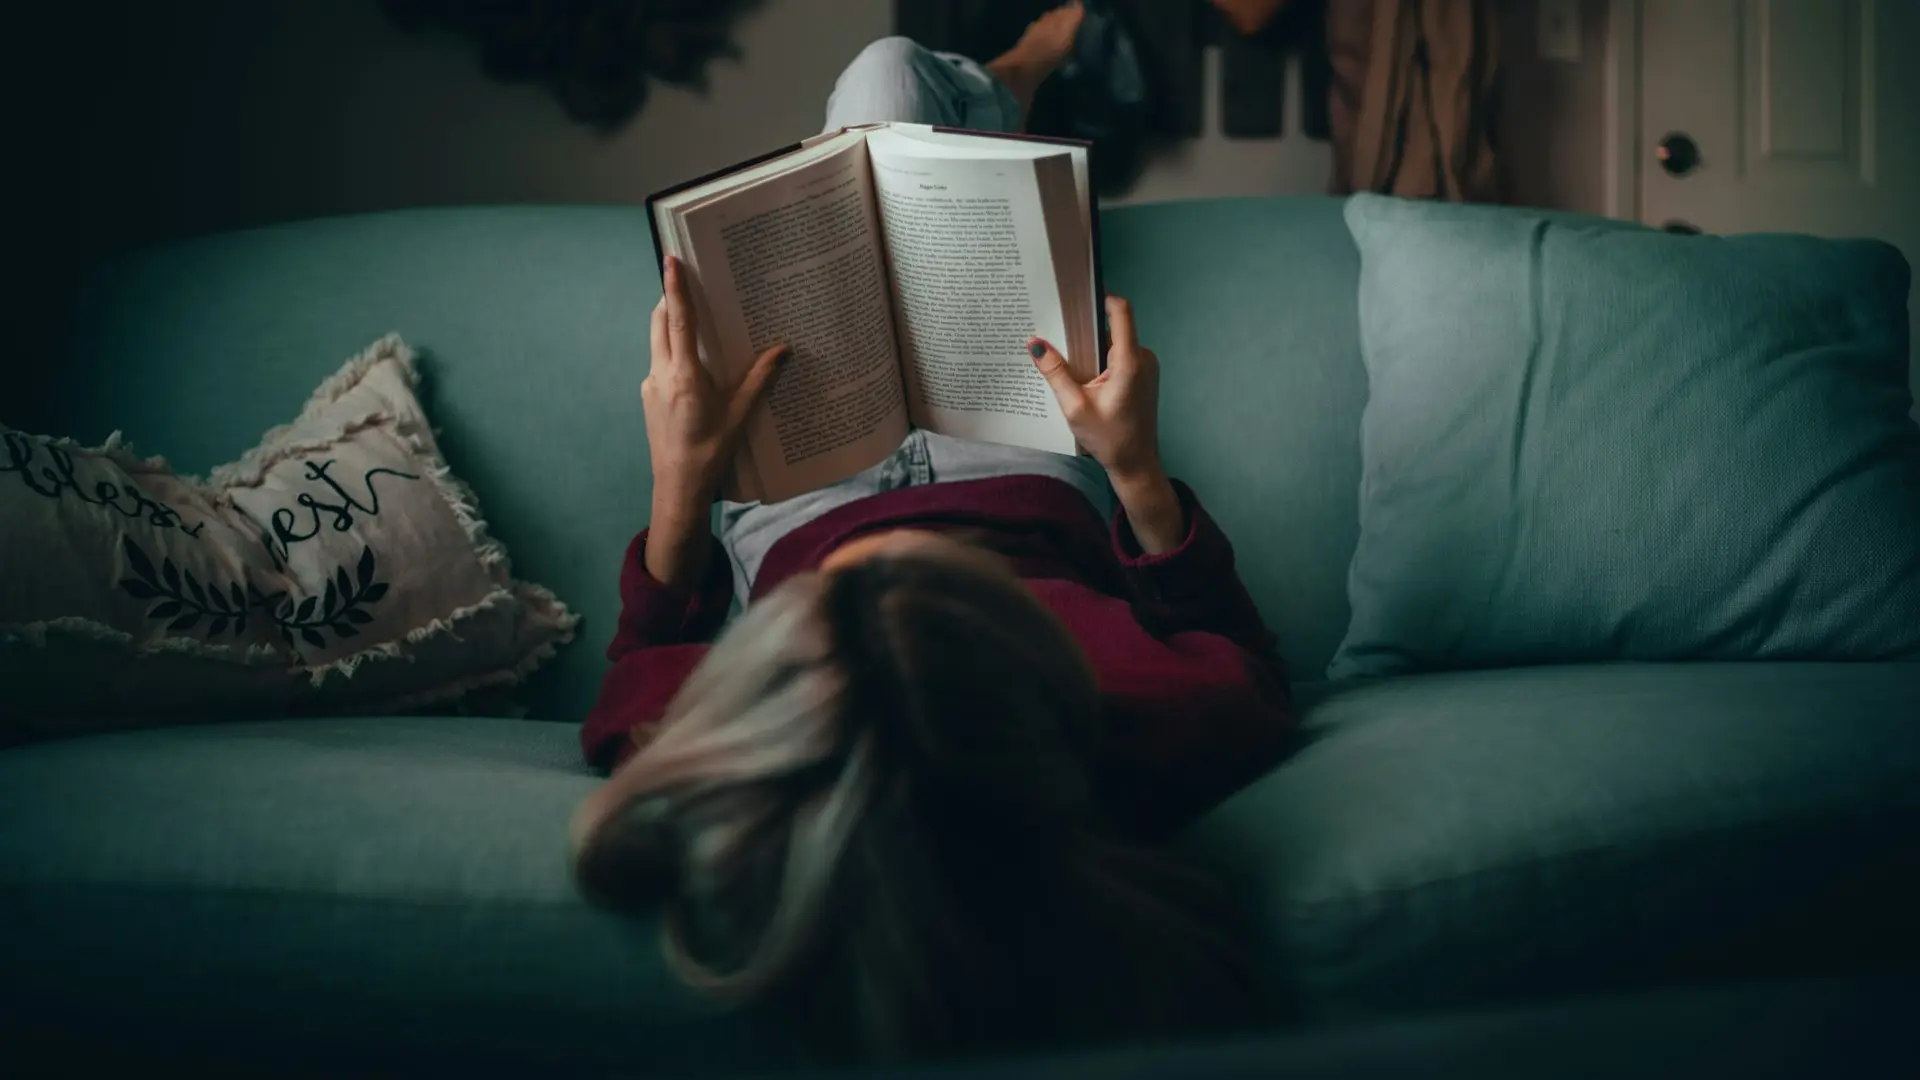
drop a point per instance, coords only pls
(906, 267)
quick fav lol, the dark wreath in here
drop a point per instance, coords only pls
(596, 56)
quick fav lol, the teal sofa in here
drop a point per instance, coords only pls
(381, 891)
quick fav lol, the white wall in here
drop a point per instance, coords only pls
(1214, 166)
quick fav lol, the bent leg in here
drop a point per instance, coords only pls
(896, 79)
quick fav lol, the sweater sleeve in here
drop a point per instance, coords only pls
(1196, 697)
(1191, 716)
(1194, 586)
(662, 637)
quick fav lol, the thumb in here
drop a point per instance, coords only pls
(754, 386)
(1053, 368)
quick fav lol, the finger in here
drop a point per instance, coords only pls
(1146, 362)
(1120, 322)
(754, 386)
(680, 319)
(662, 357)
(1053, 368)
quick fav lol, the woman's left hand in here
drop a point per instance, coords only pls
(693, 425)
(1116, 414)
(1116, 417)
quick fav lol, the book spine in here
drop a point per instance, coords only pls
(653, 220)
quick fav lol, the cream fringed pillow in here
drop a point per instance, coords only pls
(337, 567)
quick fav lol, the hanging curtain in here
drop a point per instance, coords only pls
(1412, 96)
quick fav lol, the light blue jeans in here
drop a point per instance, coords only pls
(895, 79)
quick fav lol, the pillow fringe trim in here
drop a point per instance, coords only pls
(251, 469)
(464, 503)
(558, 619)
(116, 449)
(273, 447)
(546, 614)
(36, 635)
(542, 613)
(543, 610)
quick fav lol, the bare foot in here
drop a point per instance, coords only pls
(1045, 45)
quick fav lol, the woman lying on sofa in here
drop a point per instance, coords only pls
(905, 803)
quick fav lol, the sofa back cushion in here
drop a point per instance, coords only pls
(531, 325)
(1588, 442)
(1251, 306)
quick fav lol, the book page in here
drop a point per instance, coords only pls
(1071, 232)
(745, 176)
(973, 278)
(796, 259)
(742, 481)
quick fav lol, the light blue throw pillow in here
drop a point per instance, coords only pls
(1587, 441)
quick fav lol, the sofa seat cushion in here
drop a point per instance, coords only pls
(395, 889)
(1462, 836)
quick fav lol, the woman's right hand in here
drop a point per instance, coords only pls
(1116, 414)
(693, 426)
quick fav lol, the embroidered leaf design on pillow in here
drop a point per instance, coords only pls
(143, 585)
(230, 609)
(184, 601)
(137, 559)
(340, 609)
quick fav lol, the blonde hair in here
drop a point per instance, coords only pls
(871, 812)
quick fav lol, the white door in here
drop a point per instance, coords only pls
(1801, 115)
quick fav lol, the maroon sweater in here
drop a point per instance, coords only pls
(1196, 698)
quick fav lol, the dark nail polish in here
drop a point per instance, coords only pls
(1038, 349)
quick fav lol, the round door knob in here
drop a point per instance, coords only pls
(1677, 153)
